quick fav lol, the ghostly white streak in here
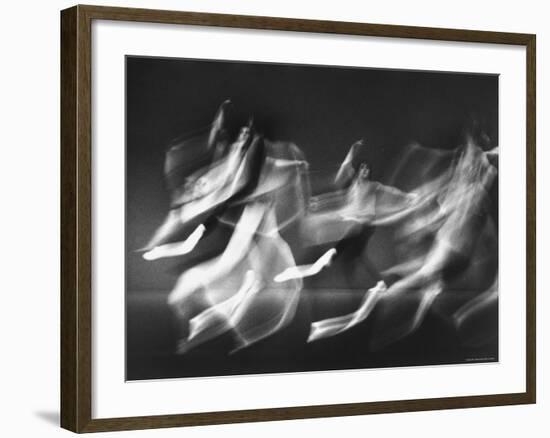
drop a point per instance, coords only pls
(334, 215)
(405, 268)
(477, 305)
(304, 271)
(284, 181)
(221, 317)
(333, 326)
(259, 188)
(177, 248)
(215, 191)
(417, 164)
(426, 301)
(202, 275)
(205, 190)
(256, 295)
(268, 256)
(492, 156)
(167, 228)
(457, 225)
(285, 164)
(402, 313)
(360, 202)
(347, 170)
(456, 222)
(218, 124)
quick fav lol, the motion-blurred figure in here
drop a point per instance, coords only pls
(229, 178)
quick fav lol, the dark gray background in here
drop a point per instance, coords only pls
(323, 110)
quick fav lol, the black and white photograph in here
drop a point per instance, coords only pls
(285, 218)
(275, 219)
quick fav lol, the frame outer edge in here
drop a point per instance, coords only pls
(531, 309)
(84, 218)
(76, 220)
(303, 25)
(68, 347)
(76, 249)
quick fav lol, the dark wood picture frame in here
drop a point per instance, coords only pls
(76, 218)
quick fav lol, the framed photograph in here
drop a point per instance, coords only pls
(268, 218)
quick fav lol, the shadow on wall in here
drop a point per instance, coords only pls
(51, 417)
